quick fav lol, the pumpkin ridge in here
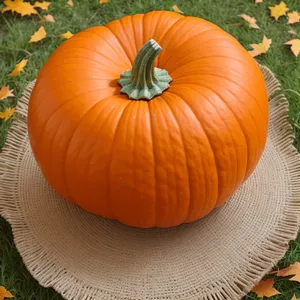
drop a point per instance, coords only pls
(257, 141)
(133, 43)
(186, 160)
(109, 200)
(208, 140)
(128, 56)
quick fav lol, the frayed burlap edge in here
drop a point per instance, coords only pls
(44, 267)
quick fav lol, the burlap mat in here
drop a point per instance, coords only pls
(219, 257)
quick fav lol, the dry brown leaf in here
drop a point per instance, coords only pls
(70, 3)
(42, 5)
(279, 10)
(3, 292)
(66, 35)
(5, 92)
(292, 32)
(259, 1)
(294, 17)
(5, 115)
(20, 7)
(265, 288)
(260, 48)
(18, 68)
(39, 35)
(103, 1)
(48, 18)
(177, 9)
(250, 20)
(293, 269)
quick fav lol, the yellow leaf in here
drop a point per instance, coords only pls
(48, 18)
(294, 17)
(177, 9)
(265, 288)
(278, 10)
(70, 3)
(5, 115)
(42, 5)
(293, 269)
(39, 35)
(258, 1)
(3, 292)
(292, 32)
(18, 68)
(294, 297)
(5, 92)
(261, 47)
(103, 1)
(20, 7)
(66, 35)
(250, 20)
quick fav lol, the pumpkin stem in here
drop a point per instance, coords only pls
(144, 81)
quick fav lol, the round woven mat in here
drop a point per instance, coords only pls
(219, 257)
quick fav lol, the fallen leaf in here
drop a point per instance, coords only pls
(294, 17)
(293, 269)
(66, 35)
(20, 7)
(250, 20)
(39, 35)
(42, 5)
(5, 92)
(3, 292)
(103, 1)
(258, 1)
(48, 18)
(296, 50)
(292, 32)
(5, 115)
(265, 288)
(294, 297)
(177, 9)
(70, 3)
(261, 47)
(18, 68)
(278, 10)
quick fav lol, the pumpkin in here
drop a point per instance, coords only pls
(152, 120)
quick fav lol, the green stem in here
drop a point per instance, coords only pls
(144, 81)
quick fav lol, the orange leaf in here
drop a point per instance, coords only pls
(66, 35)
(294, 297)
(265, 288)
(258, 1)
(3, 292)
(294, 17)
(250, 20)
(5, 92)
(42, 5)
(20, 7)
(103, 1)
(293, 269)
(49, 18)
(39, 35)
(278, 10)
(18, 68)
(261, 47)
(177, 9)
(70, 3)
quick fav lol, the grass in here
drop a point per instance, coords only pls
(15, 33)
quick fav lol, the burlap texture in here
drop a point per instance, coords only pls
(219, 257)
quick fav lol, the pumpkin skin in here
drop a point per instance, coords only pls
(162, 162)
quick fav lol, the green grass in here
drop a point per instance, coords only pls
(15, 33)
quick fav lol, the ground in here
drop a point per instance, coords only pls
(15, 33)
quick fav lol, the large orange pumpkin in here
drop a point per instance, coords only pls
(167, 156)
